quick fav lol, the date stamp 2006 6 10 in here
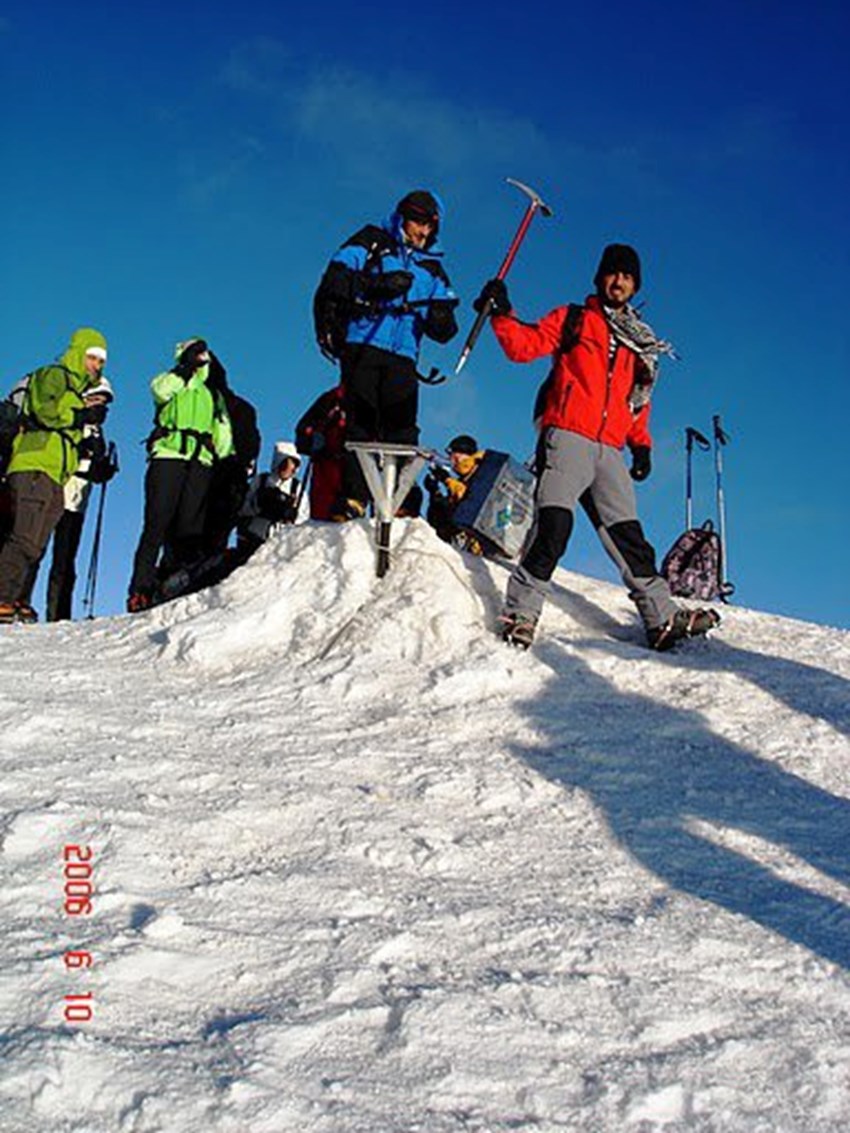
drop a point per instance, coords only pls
(78, 872)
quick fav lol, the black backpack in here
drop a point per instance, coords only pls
(243, 423)
(10, 423)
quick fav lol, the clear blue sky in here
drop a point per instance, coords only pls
(188, 169)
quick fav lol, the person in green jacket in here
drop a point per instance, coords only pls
(45, 455)
(192, 430)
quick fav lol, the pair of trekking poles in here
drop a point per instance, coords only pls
(720, 439)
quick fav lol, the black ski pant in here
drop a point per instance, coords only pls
(176, 493)
(228, 488)
(37, 505)
(63, 565)
(381, 403)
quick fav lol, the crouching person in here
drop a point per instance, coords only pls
(447, 488)
(273, 497)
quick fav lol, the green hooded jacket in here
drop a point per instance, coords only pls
(49, 439)
(192, 422)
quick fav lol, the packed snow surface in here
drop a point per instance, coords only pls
(359, 867)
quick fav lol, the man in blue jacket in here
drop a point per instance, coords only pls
(383, 290)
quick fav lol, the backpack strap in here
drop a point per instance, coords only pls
(190, 439)
(31, 423)
(376, 241)
(570, 336)
(571, 330)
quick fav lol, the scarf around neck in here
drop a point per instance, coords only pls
(631, 331)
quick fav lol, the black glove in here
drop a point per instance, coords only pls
(494, 293)
(387, 285)
(436, 476)
(276, 506)
(101, 470)
(190, 360)
(92, 447)
(431, 484)
(331, 329)
(440, 323)
(641, 462)
(91, 415)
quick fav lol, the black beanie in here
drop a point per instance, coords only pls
(463, 444)
(419, 205)
(619, 257)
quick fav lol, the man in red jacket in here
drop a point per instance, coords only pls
(594, 402)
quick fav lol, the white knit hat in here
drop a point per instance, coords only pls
(284, 450)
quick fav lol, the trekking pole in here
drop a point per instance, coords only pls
(691, 435)
(91, 576)
(536, 204)
(721, 439)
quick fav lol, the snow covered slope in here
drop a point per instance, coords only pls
(358, 866)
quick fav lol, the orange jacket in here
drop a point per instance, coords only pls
(588, 395)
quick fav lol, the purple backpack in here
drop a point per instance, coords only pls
(693, 566)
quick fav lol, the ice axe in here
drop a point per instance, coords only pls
(536, 204)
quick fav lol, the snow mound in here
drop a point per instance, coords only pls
(311, 593)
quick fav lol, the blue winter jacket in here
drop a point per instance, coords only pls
(398, 324)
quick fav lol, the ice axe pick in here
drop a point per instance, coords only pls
(535, 204)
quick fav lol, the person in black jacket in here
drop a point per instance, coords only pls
(272, 498)
(231, 475)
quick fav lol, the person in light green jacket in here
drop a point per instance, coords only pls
(192, 430)
(45, 455)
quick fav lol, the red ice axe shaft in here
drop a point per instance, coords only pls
(536, 204)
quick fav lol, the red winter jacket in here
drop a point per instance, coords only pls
(325, 417)
(586, 396)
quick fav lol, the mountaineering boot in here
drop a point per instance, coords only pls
(465, 541)
(518, 629)
(346, 509)
(683, 624)
(20, 612)
(138, 602)
(174, 585)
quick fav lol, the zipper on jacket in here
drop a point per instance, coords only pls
(408, 263)
(612, 358)
(562, 409)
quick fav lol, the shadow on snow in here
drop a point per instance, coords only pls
(658, 771)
